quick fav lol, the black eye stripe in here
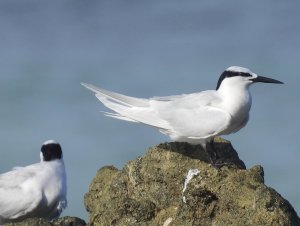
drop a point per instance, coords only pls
(227, 74)
(235, 73)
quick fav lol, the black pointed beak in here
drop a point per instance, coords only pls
(266, 80)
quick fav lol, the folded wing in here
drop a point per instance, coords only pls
(189, 115)
(15, 201)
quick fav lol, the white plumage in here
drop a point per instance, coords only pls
(37, 190)
(195, 118)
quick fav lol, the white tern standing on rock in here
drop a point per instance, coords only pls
(38, 190)
(195, 118)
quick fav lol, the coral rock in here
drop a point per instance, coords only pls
(175, 184)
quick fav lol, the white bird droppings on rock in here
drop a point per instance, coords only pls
(189, 176)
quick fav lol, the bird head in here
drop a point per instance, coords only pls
(51, 150)
(240, 76)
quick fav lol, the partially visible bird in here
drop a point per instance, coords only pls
(195, 118)
(37, 190)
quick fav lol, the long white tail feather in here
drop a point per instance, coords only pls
(119, 98)
(135, 114)
(128, 108)
(118, 116)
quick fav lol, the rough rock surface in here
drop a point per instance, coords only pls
(63, 221)
(174, 184)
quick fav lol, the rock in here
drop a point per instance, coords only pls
(31, 222)
(69, 221)
(63, 221)
(174, 184)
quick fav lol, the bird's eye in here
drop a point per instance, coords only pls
(245, 75)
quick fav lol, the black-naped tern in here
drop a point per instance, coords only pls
(37, 190)
(195, 118)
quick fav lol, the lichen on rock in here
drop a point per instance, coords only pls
(149, 191)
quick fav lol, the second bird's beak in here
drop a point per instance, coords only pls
(266, 80)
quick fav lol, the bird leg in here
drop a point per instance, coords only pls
(211, 152)
(215, 160)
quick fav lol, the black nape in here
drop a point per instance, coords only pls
(227, 74)
(51, 151)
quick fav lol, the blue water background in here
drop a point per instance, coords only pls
(144, 49)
